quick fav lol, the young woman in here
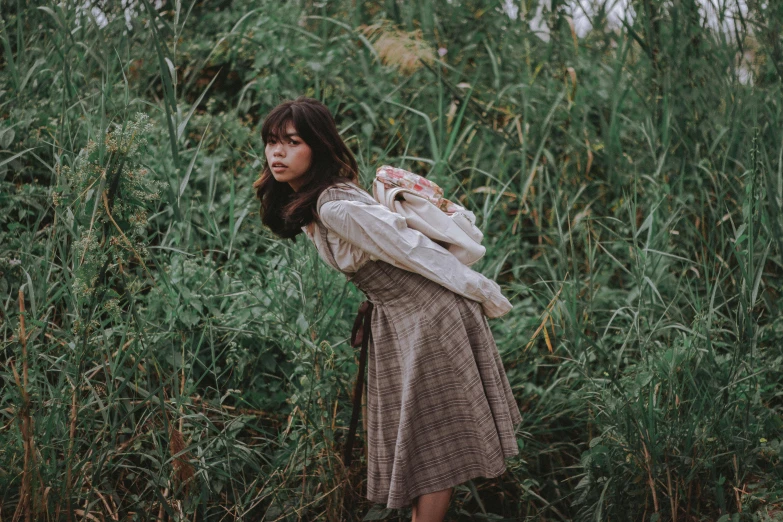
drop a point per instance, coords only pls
(439, 406)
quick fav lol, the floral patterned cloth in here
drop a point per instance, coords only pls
(396, 177)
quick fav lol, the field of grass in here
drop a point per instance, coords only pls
(164, 357)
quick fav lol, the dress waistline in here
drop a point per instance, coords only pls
(381, 282)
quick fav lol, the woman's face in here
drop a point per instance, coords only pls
(288, 157)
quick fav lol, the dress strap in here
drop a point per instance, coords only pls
(339, 191)
(360, 336)
(328, 249)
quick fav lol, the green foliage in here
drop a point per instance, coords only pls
(179, 359)
(111, 230)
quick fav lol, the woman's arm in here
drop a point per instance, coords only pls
(385, 235)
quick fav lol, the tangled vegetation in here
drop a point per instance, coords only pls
(163, 356)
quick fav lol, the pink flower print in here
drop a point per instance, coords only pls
(395, 177)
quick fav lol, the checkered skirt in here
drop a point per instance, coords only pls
(440, 410)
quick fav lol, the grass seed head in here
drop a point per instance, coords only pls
(397, 48)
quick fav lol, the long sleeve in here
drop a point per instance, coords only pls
(384, 235)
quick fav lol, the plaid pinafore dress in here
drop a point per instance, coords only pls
(440, 410)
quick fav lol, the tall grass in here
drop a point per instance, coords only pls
(165, 357)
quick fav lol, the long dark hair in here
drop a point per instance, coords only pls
(283, 210)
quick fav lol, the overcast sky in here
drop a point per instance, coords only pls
(583, 10)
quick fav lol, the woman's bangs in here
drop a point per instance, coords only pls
(275, 125)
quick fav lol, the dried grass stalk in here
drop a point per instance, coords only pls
(401, 49)
(183, 470)
(24, 508)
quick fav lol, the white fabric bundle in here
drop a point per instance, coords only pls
(421, 203)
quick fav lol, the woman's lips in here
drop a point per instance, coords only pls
(278, 167)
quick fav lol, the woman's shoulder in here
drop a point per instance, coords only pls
(344, 190)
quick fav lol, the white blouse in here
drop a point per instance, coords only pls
(358, 232)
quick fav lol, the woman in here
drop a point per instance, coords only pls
(439, 406)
